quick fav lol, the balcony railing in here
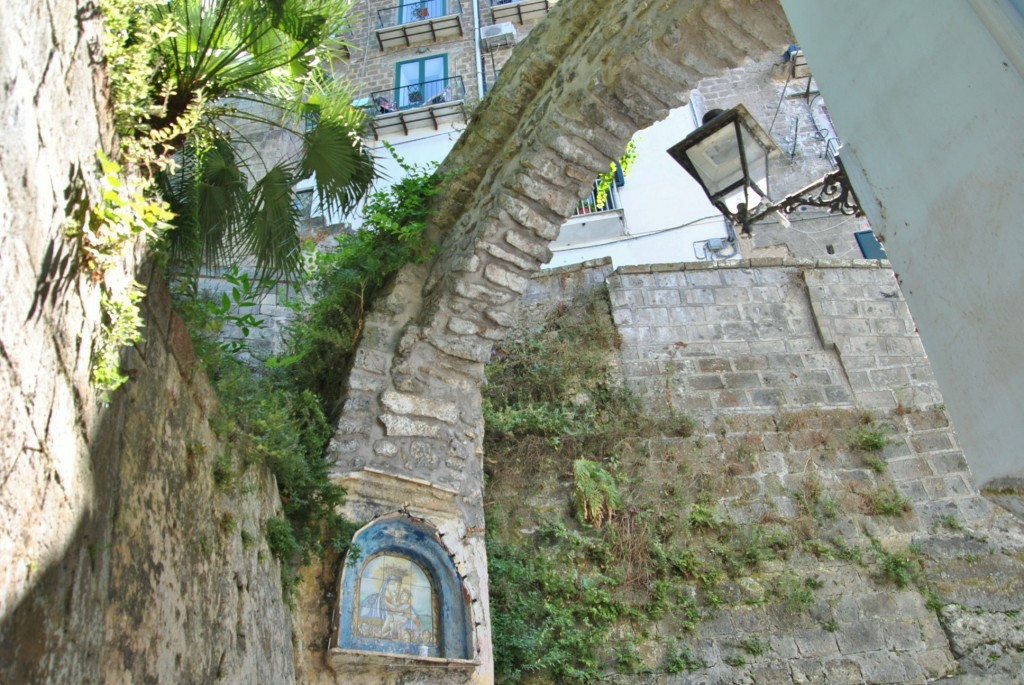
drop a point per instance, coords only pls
(424, 94)
(588, 205)
(417, 11)
(522, 11)
(419, 22)
(404, 108)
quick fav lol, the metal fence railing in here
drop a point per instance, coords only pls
(424, 94)
(409, 12)
(588, 205)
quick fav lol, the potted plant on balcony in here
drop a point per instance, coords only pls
(415, 97)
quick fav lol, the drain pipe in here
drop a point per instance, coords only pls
(476, 47)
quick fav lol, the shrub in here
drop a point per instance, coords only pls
(342, 282)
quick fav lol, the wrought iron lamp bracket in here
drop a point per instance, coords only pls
(832, 193)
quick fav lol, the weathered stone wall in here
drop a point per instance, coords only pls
(413, 407)
(767, 336)
(780, 362)
(120, 560)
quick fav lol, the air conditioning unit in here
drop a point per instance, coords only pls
(498, 35)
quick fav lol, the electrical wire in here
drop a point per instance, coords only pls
(781, 98)
(416, 140)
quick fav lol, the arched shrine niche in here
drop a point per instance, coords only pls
(403, 595)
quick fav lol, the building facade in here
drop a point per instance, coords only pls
(420, 68)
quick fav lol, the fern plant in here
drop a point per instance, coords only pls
(597, 495)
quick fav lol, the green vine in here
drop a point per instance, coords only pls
(122, 326)
(279, 415)
(103, 231)
(605, 180)
(343, 281)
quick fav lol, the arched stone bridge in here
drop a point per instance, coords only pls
(411, 429)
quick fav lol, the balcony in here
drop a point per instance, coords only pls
(522, 11)
(419, 105)
(592, 224)
(427, 21)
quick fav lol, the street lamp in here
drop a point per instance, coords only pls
(728, 156)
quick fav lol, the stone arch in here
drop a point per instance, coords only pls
(532, 150)
(402, 594)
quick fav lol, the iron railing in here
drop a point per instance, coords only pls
(588, 205)
(410, 12)
(424, 94)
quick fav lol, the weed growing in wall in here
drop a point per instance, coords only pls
(560, 425)
(614, 531)
(122, 326)
(103, 229)
(271, 424)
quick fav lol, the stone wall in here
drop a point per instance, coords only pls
(413, 409)
(780, 362)
(121, 560)
(766, 336)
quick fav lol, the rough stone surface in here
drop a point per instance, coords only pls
(518, 168)
(119, 560)
(120, 563)
(758, 385)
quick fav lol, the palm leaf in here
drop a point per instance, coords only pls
(333, 154)
(272, 229)
(264, 52)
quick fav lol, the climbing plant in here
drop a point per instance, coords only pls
(278, 414)
(624, 165)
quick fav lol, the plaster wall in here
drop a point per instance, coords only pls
(930, 107)
(659, 194)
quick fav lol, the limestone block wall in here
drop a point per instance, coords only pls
(779, 361)
(767, 336)
(119, 560)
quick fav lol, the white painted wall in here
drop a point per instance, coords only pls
(420, 147)
(666, 217)
(932, 111)
(659, 194)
